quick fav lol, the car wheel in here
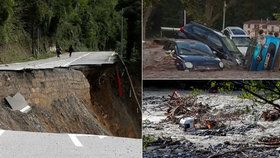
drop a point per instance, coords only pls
(179, 66)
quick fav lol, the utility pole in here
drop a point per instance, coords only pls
(224, 14)
(185, 17)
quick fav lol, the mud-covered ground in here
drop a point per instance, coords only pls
(158, 65)
(240, 130)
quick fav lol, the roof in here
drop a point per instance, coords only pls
(209, 29)
(188, 41)
(267, 22)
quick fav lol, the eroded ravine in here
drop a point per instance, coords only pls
(69, 101)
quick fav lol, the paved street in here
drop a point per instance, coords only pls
(14, 144)
(78, 58)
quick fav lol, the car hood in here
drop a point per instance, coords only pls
(200, 60)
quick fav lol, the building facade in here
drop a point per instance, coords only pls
(252, 27)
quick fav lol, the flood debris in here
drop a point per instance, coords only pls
(187, 123)
(271, 115)
(18, 102)
(224, 126)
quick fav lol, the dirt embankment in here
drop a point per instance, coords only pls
(119, 114)
(62, 101)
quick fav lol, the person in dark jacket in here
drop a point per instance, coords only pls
(58, 51)
(70, 50)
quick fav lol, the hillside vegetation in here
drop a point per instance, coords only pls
(28, 28)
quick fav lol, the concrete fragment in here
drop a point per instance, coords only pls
(18, 102)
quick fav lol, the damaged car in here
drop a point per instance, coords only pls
(221, 45)
(193, 55)
(263, 54)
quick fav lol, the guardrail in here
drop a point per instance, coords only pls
(168, 29)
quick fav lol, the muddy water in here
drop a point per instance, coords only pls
(246, 130)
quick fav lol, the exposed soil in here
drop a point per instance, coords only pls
(69, 101)
(159, 66)
(119, 114)
(239, 130)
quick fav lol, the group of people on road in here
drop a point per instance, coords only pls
(59, 50)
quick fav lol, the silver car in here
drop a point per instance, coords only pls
(239, 37)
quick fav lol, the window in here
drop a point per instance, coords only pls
(214, 39)
(238, 32)
(199, 31)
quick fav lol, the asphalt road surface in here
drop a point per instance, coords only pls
(15, 144)
(77, 58)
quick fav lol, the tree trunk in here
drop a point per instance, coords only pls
(146, 15)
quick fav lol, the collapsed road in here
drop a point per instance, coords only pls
(82, 94)
(225, 125)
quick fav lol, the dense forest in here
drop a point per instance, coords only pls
(169, 13)
(28, 28)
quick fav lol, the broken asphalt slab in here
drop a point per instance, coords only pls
(18, 102)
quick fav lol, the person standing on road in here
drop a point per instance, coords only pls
(70, 50)
(58, 51)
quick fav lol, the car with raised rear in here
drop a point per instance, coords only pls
(221, 45)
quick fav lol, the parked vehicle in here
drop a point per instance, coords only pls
(239, 38)
(193, 55)
(263, 55)
(222, 46)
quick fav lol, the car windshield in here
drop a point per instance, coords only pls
(241, 41)
(196, 49)
(230, 45)
(238, 32)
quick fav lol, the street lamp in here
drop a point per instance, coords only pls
(224, 14)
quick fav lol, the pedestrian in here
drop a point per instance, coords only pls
(260, 37)
(70, 50)
(276, 34)
(261, 42)
(270, 34)
(58, 51)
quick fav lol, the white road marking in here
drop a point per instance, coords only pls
(75, 59)
(101, 137)
(1, 132)
(25, 109)
(75, 140)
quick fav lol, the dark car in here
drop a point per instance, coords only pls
(193, 55)
(263, 54)
(222, 46)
